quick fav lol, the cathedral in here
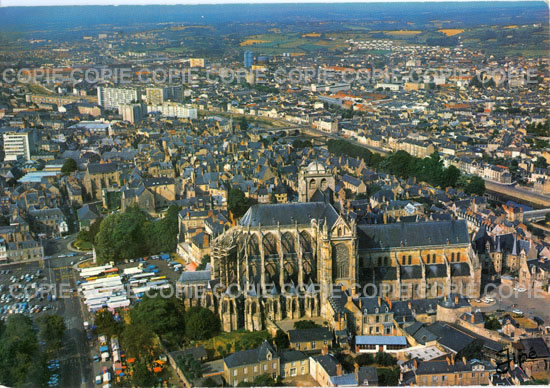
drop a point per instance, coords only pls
(282, 261)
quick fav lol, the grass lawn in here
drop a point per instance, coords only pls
(241, 339)
(82, 245)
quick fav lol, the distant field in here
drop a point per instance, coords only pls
(402, 32)
(250, 42)
(451, 31)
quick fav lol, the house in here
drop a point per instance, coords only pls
(538, 355)
(246, 365)
(361, 377)
(310, 339)
(294, 363)
(379, 343)
(51, 222)
(323, 367)
(87, 214)
(453, 372)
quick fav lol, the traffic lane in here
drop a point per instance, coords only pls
(78, 369)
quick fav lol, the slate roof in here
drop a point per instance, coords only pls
(196, 276)
(536, 344)
(250, 357)
(307, 335)
(288, 214)
(329, 363)
(102, 168)
(430, 233)
(292, 355)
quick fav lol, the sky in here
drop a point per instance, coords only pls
(7, 3)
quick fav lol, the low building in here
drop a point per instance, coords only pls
(246, 365)
(451, 372)
(294, 363)
(379, 343)
(310, 339)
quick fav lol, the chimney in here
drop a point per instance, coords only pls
(379, 302)
(356, 369)
(464, 360)
(415, 363)
(448, 360)
(472, 318)
(324, 350)
(388, 301)
(338, 369)
(205, 241)
(452, 359)
(456, 299)
(409, 304)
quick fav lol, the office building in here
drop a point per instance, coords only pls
(248, 59)
(19, 143)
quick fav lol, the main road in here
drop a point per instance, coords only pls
(76, 363)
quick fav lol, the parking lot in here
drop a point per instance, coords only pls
(56, 277)
(23, 290)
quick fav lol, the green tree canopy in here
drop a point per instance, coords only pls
(237, 203)
(19, 351)
(305, 324)
(52, 329)
(201, 323)
(107, 325)
(163, 316)
(69, 166)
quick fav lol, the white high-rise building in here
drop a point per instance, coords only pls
(19, 143)
(110, 98)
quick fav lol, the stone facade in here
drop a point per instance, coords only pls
(286, 257)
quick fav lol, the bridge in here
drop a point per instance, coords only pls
(536, 215)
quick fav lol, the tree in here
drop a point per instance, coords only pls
(475, 185)
(106, 324)
(388, 377)
(163, 234)
(163, 316)
(243, 123)
(201, 323)
(204, 261)
(305, 324)
(364, 359)
(138, 340)
(385, 359)
(52, 329)
(541, 162)
(237, 203)
(122, 236)
(281, 340)
(492, 323)
(18, 350)
(69, 166)
(142, 376)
